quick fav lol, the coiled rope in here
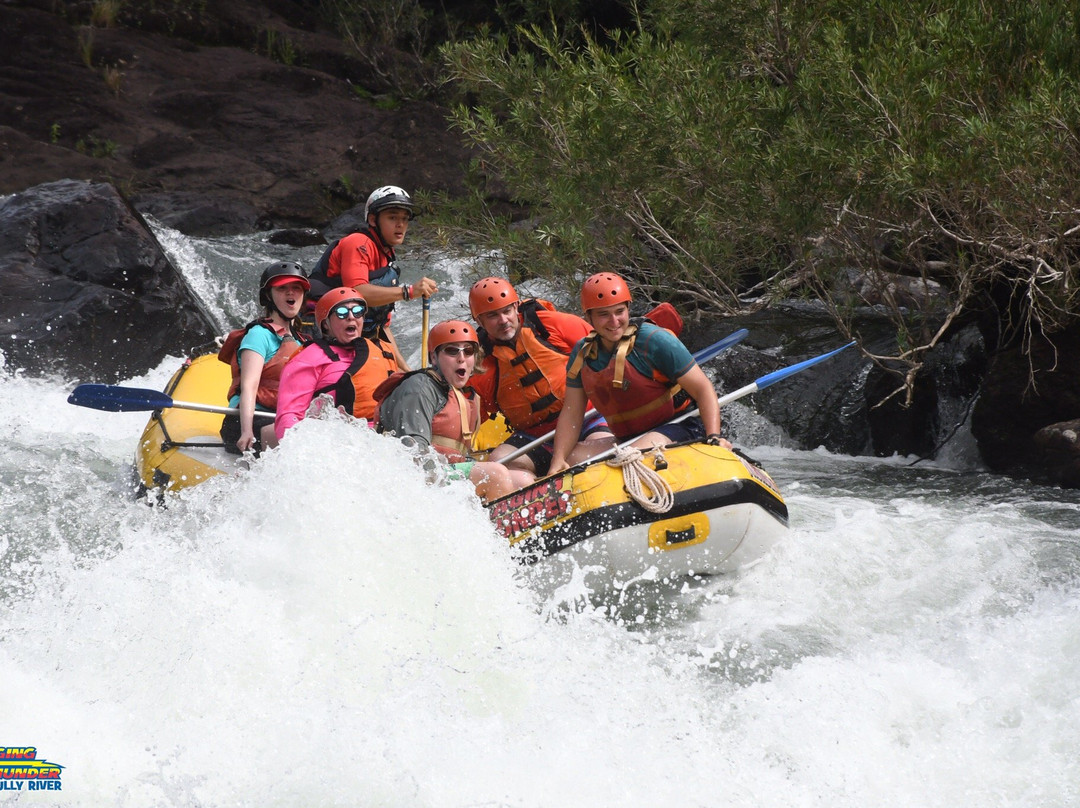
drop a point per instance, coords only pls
(637, 477)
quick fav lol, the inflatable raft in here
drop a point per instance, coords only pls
(180, 448)
(721, 512)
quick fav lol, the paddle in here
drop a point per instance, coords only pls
(758, 384)
(704, 355)
(423, 333)
(114, 398)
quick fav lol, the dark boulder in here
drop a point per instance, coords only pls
(88, 291)
(1029, 388)
(1060, 444)
(844, 403)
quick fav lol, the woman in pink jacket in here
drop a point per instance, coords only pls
(341, 363)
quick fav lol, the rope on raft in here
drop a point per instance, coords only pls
(637, 477)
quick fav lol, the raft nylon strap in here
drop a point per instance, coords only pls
(625, 344)
(463, 411)
(637, 476)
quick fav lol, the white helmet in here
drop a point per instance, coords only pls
(389, 196)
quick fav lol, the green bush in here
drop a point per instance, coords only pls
(727, 152)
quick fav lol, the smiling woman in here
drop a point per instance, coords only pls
(637, 375)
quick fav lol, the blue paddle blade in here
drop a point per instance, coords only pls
(733, 339)
(783, 373)
(112, 398)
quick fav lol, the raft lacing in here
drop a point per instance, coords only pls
(637, 477)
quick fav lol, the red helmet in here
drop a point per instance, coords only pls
(490, 294)
(280, 274)
(603, 289)
(451, 331)
(335, 297)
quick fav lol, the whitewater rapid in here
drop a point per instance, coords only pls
(329, 630)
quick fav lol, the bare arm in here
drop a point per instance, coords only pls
(697, 384)
(251, 367)
(568, 429)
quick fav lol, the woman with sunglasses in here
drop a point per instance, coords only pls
(341, 362)
(435, 408)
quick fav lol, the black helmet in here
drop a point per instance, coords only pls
(389, 196)
(278, 275)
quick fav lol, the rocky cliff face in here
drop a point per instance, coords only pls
(215, 117)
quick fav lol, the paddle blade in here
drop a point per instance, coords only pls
(112, 398)
(730, 341)
(783, 373)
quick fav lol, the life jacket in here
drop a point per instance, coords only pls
(355, 390)
(631, 402)
(530, 374)
(452, 427)
(377, 317)
(267, 394)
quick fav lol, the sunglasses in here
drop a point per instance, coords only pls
(454, 350)
(356, 310)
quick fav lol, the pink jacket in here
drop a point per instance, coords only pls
(307, 371)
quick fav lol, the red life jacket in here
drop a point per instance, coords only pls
(267, 393)
(530, 375)
(452, 427)
(631, 402)
(372, 364)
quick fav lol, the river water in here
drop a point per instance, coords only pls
(327, 630)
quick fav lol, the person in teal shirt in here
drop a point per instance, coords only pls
(258, 352)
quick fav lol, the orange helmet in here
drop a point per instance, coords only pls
(490, 294)
(335, 297)
(451, 331)
(603, 289)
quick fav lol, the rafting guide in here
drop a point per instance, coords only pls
(20, 770)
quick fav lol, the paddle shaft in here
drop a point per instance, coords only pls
(704, 355)
(424, 332)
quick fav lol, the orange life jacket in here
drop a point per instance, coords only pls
(530, 374)
(452, 427)
(372, 364)
(631, 402)
(267, 393)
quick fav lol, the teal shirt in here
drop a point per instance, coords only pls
(264, 342)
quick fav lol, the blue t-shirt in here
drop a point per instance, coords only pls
(264, 342)
(654, 348)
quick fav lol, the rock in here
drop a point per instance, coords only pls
(822, 406)
(838, 404)
(1024, 392)
(186, 113)
(197, 214)
(297, 237)
(88, 291)
(1060, 443)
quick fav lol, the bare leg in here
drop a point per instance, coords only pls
(650, 440)
(522, 470)
(492, 480)
(268, 436)
(593, 445)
